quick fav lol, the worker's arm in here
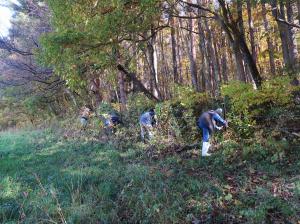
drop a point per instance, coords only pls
(217, 117)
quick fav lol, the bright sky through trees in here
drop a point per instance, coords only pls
(5, 16)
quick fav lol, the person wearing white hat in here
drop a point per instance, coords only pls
(147, 123)
(208, 123)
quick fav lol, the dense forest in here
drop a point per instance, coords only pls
(179, 57)
(60, 54)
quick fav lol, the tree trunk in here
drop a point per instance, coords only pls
(298, 7)
(283, 33)
(293, 53)
(251, 31)
(217, 47)
(179, 53)
(240, 72)
(174, 57)
(251, 63)
(164, 66)
(151, 61)
(204, 58)
(95, 88)
(236, 37)
(212, 56)
(132, 77)
(121, 84)
(192, 56)
(240, 24)
(224, 63)
(269, 41)
(237, 54)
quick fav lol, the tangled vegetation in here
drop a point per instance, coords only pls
(58, 175)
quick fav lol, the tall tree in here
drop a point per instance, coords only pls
(269, 40)
(298, 7)
(251, 30)
(283, 31)
(242, 70)
(213, 58)
(151, 62)
(190, 42)
(293, 53)
(174, 52)
(230, 26)
(205, 71)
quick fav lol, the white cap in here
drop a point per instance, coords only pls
(219, 111)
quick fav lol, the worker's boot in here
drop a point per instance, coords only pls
(205, 147)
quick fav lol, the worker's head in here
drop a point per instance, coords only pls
(219, 111)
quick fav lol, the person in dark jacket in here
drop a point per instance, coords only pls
(208, 123)
(147, 122)
(112, 120)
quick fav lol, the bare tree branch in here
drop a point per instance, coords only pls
(5, 45)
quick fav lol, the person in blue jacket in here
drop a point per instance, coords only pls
(208, 123)
(147, 122)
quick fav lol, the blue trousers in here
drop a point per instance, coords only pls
(205, 134)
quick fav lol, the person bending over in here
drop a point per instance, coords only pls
(84, 117)
(208, 123)
(147, 123)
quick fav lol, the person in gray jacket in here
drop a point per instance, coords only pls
(147, 122)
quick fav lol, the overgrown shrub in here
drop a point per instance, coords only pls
(137, 104)
(177, 117)
(248, 106)
(246, 101)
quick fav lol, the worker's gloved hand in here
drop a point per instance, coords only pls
(219, 128)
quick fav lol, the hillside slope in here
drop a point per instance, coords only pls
(47, 179)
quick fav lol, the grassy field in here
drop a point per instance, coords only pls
(45, 178)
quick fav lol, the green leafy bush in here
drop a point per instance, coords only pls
(136, 104)
(248, 106)
(246, 101)
(177, 117)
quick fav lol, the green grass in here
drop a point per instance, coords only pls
(45, 178)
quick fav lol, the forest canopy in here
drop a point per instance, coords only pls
(72, 53)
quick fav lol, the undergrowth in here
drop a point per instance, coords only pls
(45, 178)
(61, 174)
